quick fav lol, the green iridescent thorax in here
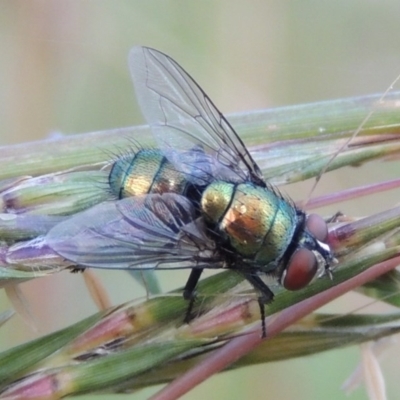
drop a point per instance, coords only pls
(215, 200)
(147, 171)
(258, 224)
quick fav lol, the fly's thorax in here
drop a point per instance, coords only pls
(257, 223)
(146, 171)
(215, 200)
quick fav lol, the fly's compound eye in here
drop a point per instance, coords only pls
(317, 227)
(301, 269)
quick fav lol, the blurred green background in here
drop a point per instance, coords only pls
(63, 69)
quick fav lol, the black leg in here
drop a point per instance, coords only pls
(266, 295)
(189, 292)
(334, 218)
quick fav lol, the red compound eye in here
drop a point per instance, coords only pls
(301, 269)
(317, 227)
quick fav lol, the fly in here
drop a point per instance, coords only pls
(198, 202)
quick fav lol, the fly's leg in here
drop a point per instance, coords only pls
(76, 269)
(189, 292)
(334, 218)
(266, 295)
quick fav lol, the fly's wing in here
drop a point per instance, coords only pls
(153, 231)
(194, 135)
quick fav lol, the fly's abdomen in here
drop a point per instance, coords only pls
(144, 172)
(256, 222)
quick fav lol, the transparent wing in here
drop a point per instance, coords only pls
(183, 119)
(153, 231)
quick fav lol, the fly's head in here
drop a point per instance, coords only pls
(311, 256)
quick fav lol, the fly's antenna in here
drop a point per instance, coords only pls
(346, 144)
